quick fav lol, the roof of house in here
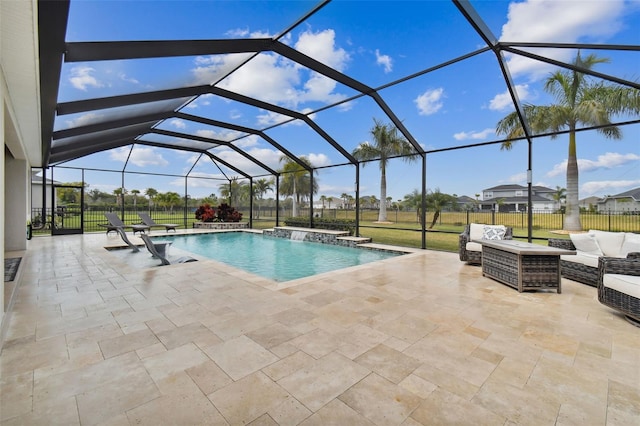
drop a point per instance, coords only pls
(512, 200)
(633, 193)
(535, 188)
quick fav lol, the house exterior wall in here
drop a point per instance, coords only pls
(619, 205)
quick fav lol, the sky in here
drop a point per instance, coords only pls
(377, 43)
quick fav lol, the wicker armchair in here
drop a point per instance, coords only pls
(474, 257)
(610, 294)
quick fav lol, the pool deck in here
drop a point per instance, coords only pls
(420, 339)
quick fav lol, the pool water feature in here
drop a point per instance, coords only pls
(279, 259)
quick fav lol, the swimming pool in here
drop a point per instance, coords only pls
(275, 258)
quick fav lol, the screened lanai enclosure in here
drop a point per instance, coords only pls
(195, 98)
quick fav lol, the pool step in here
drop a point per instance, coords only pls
(350, 241)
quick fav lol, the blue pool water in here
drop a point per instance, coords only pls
(275, 258)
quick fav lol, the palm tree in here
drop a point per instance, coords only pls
(560, 195)
(580, 100)
(387, 143)
(345, 200)
(261, 187)
(235, 191)
(135, 193)
(151, 193)
(119, 193)
(296, 181)
(437, 201)
(414, 200)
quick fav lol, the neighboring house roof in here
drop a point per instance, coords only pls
(505, 187)
(466, 199)
(513, 200)
(632, 193)
(537, 188)
(37, 180)
(534, 188)
(589, 200)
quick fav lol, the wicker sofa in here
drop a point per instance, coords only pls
(470, 250)
(619, 285)
(589, 247)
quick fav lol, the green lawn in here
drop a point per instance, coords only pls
(403, 228)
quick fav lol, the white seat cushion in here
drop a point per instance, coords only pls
(627, 284)
(583, 258)
(471, 246)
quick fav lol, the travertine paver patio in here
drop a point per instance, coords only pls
(422, 339)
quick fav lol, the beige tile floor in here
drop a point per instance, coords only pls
(417, 340)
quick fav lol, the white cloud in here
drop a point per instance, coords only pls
(81, 78)
(321, 47)
(558, 21)
(282, 81)
(520, 178)
(608, 160)
(140, 156)
(473, 135)
(269, 118)
(606, 186)
(385, 61)
(430, 101)
(223, 135)
(269, 157)
(124, 77)
(318, 160)
(177, 123)
(244, 33)
(503, 100)
(83, 120)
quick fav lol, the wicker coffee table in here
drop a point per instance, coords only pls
(523, 266)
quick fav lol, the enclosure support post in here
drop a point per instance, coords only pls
(357, 231)
(424, 201)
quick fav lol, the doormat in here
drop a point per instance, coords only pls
(11, 268)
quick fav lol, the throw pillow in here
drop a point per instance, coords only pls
(494, 232)
(586, 243)
(631, 244)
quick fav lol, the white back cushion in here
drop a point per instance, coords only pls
(475, 231)
(610, 242)
(631, 244)
(586, 243)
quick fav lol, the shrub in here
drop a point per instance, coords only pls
(205, 213)
(226, 213)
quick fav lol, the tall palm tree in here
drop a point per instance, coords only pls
(135, 193)
(387, 143)
(296, 181)
(345, 200)
(261, 187)
(235, 191)
(580, 101)
(151, 193)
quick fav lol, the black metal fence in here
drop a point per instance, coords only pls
(93, 216)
